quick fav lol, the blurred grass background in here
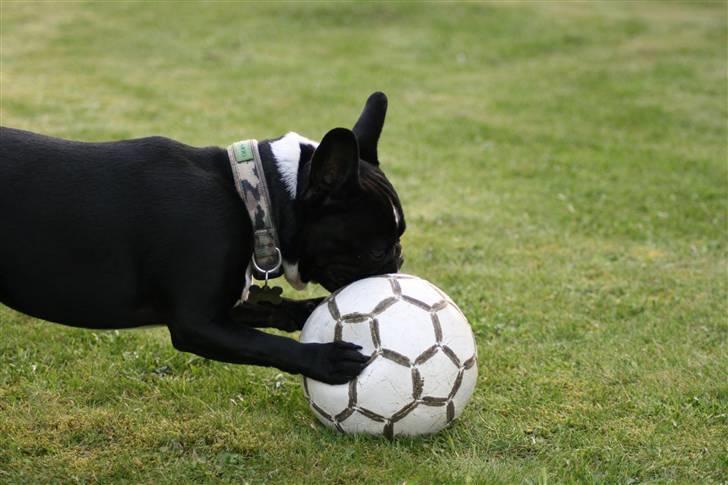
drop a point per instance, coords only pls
(563, 170)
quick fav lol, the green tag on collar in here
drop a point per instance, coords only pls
(243, 152)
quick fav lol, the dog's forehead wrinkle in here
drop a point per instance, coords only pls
(287, 153)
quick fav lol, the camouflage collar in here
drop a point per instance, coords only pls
(252, 187)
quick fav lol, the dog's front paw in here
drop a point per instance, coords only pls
(335, 362)
(293, 314)
(303, 310)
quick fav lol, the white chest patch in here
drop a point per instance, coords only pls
(287, 153)
(248, 282)
(293, 276)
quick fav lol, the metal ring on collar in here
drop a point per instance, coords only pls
(273, 269)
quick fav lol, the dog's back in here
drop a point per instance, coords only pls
(79, 217)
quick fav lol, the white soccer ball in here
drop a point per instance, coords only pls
(423, 364)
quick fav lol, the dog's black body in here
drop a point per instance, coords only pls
(151, 231)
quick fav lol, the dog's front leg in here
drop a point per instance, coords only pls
(227, 341)
(288, 315)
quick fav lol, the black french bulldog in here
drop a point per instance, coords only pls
(151, 231)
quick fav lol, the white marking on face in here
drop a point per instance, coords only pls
(396, 216)
(287, 154)
(293, 276)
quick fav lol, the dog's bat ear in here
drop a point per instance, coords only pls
(334, 165)
(369, 126)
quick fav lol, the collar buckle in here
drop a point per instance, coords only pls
(266, 272)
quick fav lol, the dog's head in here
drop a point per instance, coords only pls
(352, 219)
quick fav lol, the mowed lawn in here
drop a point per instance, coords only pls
(563, 172)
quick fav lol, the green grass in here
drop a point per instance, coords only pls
(563, 170)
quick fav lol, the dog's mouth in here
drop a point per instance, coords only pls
(335, 277)
(332, 280)
(338, 271)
